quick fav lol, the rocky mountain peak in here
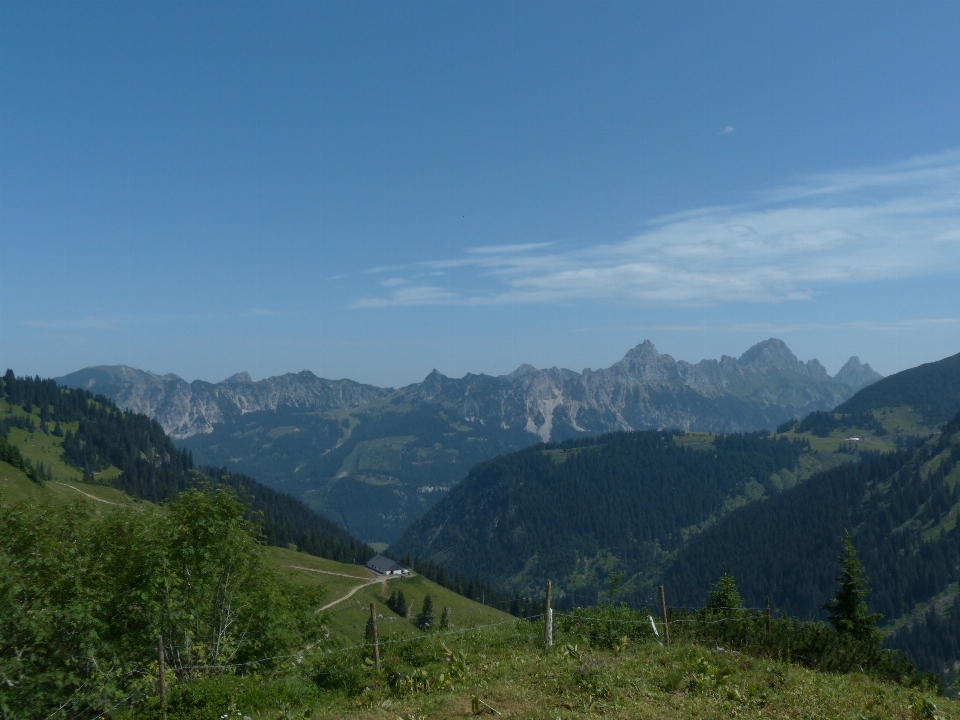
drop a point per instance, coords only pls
(643, 352)
(769, 354)
(431, 386)
(240, 377)
(856, 375)
(524, 369)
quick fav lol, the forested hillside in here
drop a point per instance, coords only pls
(897, 505)
(933, 389)
(901, 508)
(132, 450)
(578, 511)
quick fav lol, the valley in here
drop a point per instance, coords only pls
(374, 460)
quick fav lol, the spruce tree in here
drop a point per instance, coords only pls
(724, 597)
(425, 618)
(848, 611)
(445, 619)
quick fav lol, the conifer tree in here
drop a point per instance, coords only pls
(425, 618)
(848, 611)
(724, 597)
(445, 619)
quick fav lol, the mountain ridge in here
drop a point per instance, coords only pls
(186, 409)
(375, 459)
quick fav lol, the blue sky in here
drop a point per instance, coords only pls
(372, 190)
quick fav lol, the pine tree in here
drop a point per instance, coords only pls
(848, 611)
(425, 618)
(445, 619)
(724, 597)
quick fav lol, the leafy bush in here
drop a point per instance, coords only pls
(84, 597)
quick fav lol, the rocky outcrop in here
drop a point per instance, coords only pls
(186, 409)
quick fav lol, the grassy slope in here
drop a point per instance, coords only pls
(45, 448)
(349, 618)
(507, 669)
(16, 487)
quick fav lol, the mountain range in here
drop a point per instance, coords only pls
(375, 459)
(681, 509)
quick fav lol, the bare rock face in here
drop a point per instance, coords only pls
(644, 390)
(186, 409)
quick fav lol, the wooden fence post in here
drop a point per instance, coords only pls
(548, 620)
(163, 678)
(767, 609)
(376, 639)
(663, 613)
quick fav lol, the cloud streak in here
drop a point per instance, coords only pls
(859, 226)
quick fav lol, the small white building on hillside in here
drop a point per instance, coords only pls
(386, 566)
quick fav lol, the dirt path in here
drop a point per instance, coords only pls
(328, 572)
(378, 579)
(92, 497)
(350, 594)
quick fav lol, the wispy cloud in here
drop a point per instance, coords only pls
(507, 249)
(421, 295)
(727, 130)
(864, 225)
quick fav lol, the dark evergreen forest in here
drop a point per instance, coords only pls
(932, 641)
(933, 389)
(541, 511)
(899, 508)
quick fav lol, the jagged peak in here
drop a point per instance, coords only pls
(856, 374)
(642, 351)
(771, 352)
(237, 378)
(524, 369)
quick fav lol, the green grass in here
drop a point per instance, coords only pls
(43, 448)
(348, 618)
(696, 440)
(16, 487)
(437, 675)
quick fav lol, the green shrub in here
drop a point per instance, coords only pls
(604, 626)
(84, 597)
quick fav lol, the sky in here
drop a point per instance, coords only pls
(375, 189)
